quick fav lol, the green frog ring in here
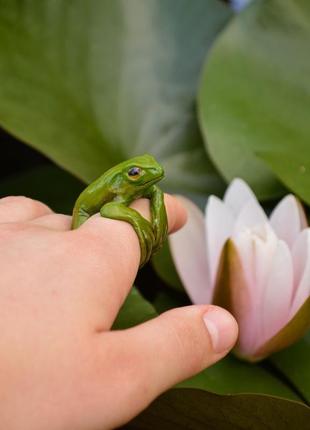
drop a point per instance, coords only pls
(113, 192)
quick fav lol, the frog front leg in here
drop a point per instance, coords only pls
(159, 216)
(80, 215)
(142, 227)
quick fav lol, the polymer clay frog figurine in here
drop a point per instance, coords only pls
(113, 192)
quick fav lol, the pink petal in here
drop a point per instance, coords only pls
(301, 263)
(219, 224)
(251, 215)
(188, 249)
(256, 248)
(276, 298)
(238, 194)
(288, 219)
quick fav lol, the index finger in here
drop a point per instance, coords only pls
(176, 212)
(108, 254)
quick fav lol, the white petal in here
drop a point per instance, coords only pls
(301, 264)
(276, 298)
(238, 194)
(219, 224)
(188, 249)
(256, 248)
(288, 219)
(251, 215)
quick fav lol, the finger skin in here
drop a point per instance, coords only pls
(21, 209)
(104, 245)
(58, 222)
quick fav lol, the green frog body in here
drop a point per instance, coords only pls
(113, 192)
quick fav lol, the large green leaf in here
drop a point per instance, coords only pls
(294, 363)
(232, 376)
(292, 166)
(255, 97)
(90, 83)
(198, 410)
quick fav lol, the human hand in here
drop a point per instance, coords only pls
(60, 291)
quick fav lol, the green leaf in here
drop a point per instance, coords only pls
(292, 166)
(90, 83)
(233, 376)
(199, 410)
(168, 299)
(294, 363)
(134, 311)
(255, 96)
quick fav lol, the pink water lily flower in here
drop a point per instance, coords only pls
(256, 267)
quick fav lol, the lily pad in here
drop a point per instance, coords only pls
(233, 376)
(294, 364)
(91, 83)
(255, 96)
(198, 410)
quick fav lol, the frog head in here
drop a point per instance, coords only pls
(137, 174)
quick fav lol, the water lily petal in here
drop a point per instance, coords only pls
(288, 219)
(301, 262)
(256, 248)
(188, 249)
(250, 216)
(232, 292)
(238, 194)
(290, 333)
(219, 225)
(276, 300)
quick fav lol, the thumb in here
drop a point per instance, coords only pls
(173, 347)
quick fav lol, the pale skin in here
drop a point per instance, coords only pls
(60, 290)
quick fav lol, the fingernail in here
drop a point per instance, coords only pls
(222, 328)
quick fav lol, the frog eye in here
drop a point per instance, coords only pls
(134, 172)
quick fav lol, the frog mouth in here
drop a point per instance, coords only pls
(158, 174)
(156, 178)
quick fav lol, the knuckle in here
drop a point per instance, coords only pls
(29, 204)
(35, 206)
(11, 199)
